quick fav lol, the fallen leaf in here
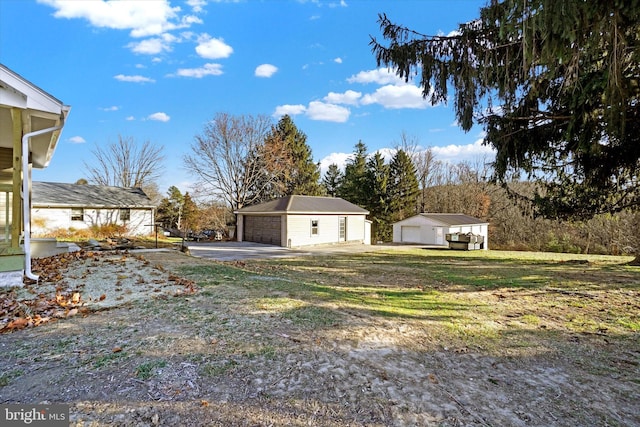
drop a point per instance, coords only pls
(72, 312)
(116, 349)
(102, 297)
(18, 323)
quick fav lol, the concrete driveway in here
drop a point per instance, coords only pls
(233, 251)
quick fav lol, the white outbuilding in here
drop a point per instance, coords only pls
(296, 221)
(432, 228)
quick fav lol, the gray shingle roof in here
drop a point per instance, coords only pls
(54, 194)
(305, 205)
(453, 219)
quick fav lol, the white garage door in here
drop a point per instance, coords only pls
(410, 234)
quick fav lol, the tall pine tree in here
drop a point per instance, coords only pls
(355, 171)
(556, 86)
(403, 186)
(303, 176)
(332, 180)
(377, 180)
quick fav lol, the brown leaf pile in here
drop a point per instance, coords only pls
(16, 313)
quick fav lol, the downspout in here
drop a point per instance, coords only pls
(26, 205)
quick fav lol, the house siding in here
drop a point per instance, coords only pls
(46, 220)
(299, 229)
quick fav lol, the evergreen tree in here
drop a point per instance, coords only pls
(355, 171)
(189, 214)
(302, 175)
(565, 76)
(403, 186)
(377, 180)
(332, 180)
(169, 212)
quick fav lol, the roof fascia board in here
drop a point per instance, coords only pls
(36, 98)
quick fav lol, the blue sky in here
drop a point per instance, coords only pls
(158, 70)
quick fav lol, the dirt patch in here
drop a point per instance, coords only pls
(265, 343)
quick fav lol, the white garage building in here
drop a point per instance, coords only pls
(432, 228)
(296, 221)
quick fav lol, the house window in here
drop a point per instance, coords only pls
(314, 227)
(125, 214)
(77, 214)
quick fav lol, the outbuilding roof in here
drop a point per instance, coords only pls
(55, 194)
(451, 219)
(297, 204)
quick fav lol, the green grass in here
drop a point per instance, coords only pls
(216, 369)
(146, 370)
(106, 359)
(7, 377)
(485, 298)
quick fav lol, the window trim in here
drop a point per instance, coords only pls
(315, 229)
(78, 215)
(126, 217)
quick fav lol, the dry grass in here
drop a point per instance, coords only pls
(405, 337)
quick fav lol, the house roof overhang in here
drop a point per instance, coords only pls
(39, 110)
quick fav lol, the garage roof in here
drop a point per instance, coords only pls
(305, 205)
(453, 219)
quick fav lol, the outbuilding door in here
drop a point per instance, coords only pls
(342, 226)
(263, 229)
(410, 234)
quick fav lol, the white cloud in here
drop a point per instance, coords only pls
(152, 46)
(143, 18)
(198, 73)
(77, 140)
(133, 79)
(341, 3)
(349, 97)
(327, 112)
(160, 117)
(340, 159)
(338, 60)
(457, 153)
(197, 5)
(130, 118)
(212, 48)
(450, 154)
(395, 97)
(265, 70)
(291, 110)
(112, 108)
(380, 76)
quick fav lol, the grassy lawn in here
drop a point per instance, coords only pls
(392, 337)
(491, 300)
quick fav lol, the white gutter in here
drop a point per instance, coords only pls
(26, 205)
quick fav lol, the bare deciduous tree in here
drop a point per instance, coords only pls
(424, 161)
(227, 158)
(126, 164)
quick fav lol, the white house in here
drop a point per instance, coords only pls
(432, 228)
(31, 121)
(64, 206)
(295, 221)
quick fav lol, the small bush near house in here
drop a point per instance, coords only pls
(97, 232)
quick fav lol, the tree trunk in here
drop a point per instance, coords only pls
(636, 260)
